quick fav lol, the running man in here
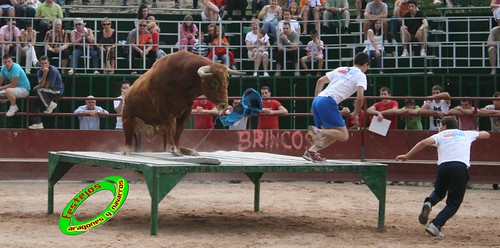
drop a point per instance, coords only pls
(342, 83)
(453, 147)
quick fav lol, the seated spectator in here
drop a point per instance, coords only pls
(10, 36)
(410, 116)
(221, 46)
(16, 84)
(491, 44)
(50, 86)
(375, 44)
(106, 39)
(118, 104)
(258, 4)
(209, 40)
(336, 10)
(48, 10)
(360, 5)
(56, 44)
(437, 107)
(211, 12)
(200, 47)
(311, 8)
(493, 109)
(270, 16)
(314, 51)
(83, 41)
(495, 8)
(143, 12)
(288, 49)
(203, 112)
(237, 4)
(259, 54)
(28, 38)
(414, 28)
(90, 120)
(295, 12)
(376, 10)
(400, 9)
(187, 33)
(8, 8)
(385, 108)
(155, 35)
(141, 42)
(465, 114)
(271, 109)
(26, 8)
(294, 24)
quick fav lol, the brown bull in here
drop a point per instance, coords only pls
(160, 100)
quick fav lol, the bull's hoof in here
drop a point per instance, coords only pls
(189, 152)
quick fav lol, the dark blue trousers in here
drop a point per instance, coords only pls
(451, 178)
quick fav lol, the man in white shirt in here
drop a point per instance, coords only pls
(437, 107)
(118, 104)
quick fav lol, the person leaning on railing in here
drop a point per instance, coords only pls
(56, 45)
(141, 42)
(83, 41)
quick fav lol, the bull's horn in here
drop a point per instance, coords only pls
(234, 72)
(204, 71)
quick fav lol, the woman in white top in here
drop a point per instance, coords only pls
(28, 38)
(254, 53)
(270, 16)
(375, 44)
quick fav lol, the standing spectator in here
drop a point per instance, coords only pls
(412, 120)
(493, 39)
(141, 42)
(493, 109)
(258, 4)
(200, 47)
(438, 107)
(361, 120)
(204, 111)
(240, 124)
(237, 4)
(376, 10)
(400, 9)
(385, 108)
(453, 147)
(118, 104)
(334, 10)
(90, 120)
(271, 109)
(10, 36)
(25, 8)
(28, 38)
(50, 86)
(314, 51)
(287, 17)
(48, 11)
(211, 12)
(374, 44)
(270, 16)
(342, 83)
(83, 41)
(414, 28)
(311, 8)
(56, 44)
(465, 112)
(288, 49)
(187, 33)
(221, 46)
(252, 43)
(107, 44)
(16, 84)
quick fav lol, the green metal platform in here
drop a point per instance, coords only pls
(162, 171)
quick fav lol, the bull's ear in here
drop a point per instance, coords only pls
(215, 83)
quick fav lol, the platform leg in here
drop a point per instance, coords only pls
(50, 198)
(376, 182)
(255, 178)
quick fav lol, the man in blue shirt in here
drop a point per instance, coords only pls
(50, 86)
(17, 84)
(91, 113)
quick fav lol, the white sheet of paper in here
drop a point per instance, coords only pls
(379, 127)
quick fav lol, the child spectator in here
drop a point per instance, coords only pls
(262, 44)
(200, 47)
(314, 51)
(187, 33)
(221, 46)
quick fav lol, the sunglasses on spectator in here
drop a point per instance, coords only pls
(13, 24)
(143, 25)
(106, 24)
(78, 24)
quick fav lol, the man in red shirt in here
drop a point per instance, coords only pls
(203, 112)
(268, 118)
(385, 108)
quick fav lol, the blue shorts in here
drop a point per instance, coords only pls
(326, 113)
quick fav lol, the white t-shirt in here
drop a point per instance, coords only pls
(251, 37)
(441, 106)
(119, 124)
(343, 83)
(294, 25)
(454, 145)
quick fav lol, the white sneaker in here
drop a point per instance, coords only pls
(266, 74)
(50, 108)
(36, 126)
(277, 74)
(296, 74)
(28, 71)
(255, 74)
(436, 2)
(12, 110)
(386, 42)
(96, 72)
(434, 231)
(405, 53)
(71, 72)
(423, 53)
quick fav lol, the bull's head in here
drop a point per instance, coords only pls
(214, 83)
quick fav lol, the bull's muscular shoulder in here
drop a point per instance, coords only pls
(182, 62)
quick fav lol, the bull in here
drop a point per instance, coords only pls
(159, 102)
